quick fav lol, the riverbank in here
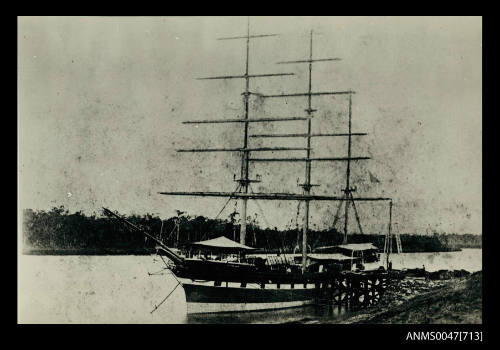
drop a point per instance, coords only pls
(59, 230)
(148, 251)
(419, 300)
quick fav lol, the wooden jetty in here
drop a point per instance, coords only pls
(356, 290)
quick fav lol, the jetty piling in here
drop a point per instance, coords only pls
(354, 290)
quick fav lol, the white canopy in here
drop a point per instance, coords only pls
(333, 256)
(222, 243)
(358, 246)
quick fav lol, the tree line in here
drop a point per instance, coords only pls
(58, 230)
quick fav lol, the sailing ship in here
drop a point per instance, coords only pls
(259, 283)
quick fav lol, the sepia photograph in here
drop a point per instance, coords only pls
(249, 170)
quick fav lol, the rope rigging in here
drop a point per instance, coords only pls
(297, 227)
(356, 214)
(336, 217)
(170, 234)
(157, 306)
(167, 267)
(264, 218)
(260, 208)
(227, 202)
(233, 220)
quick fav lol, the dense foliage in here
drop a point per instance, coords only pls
(59, 230)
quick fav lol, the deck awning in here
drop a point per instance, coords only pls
(221, 244)
(331, 257)
(358, 246)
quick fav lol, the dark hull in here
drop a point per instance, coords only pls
(206, 298)
(227, 287)
(216, 286)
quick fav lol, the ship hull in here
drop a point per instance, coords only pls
(204, 297)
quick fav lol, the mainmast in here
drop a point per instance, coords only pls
(310, 114)
(245, 155)
(307, 183)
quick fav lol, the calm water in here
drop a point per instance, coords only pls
(118, 289)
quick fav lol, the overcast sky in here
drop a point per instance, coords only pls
(101, 103)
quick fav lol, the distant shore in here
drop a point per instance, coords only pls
(59, 232)
(85, 251)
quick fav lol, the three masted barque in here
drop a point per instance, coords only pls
(267, 282)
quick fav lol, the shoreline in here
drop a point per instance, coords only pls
(89, 252)
(148, 251)
(420, 300)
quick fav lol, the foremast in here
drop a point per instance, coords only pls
(244, 179)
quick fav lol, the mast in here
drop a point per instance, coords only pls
(245, 155)
(388, 244)
(347, 190)
(307, 184)
(310, 111)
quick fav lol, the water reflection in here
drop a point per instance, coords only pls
(290, 315)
